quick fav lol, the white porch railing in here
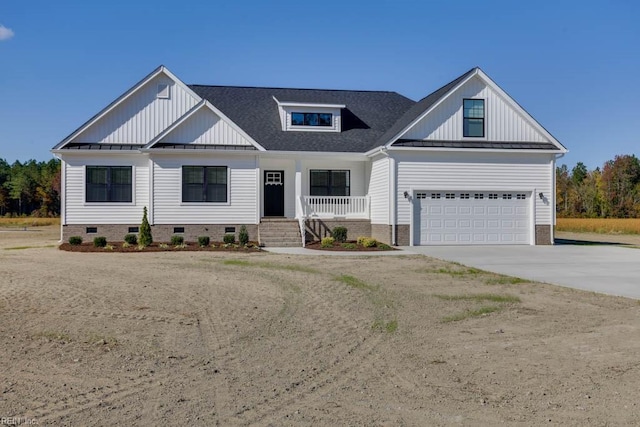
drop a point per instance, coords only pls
(356, 207)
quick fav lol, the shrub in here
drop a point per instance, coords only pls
(203, 241)
(145, 230)
(369, 242)
(100, 242)
(131, 239)
(327, 242)
(75, 240)
(384, 246)
(229, 239)
(243, 236)
(126, 245)
(339, 234)
(349, 246)
(177, 240)
(361, 239)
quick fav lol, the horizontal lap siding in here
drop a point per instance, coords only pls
(379, 191)
(204, 127)
(480, 172)
(168, 206)
(502, 122)
(79, 212)
(141, 117)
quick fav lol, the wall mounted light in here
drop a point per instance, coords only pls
(541, 196)
(406, 194)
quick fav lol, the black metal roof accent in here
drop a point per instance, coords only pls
(170, 146)
(503, 145)
(101, 146)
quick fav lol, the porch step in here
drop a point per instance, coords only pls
(279, 232)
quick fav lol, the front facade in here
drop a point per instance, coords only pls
(464, 165)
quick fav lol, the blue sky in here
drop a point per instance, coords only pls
(573, 65)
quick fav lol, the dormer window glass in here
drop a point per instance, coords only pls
(473, 121)
(312, 119)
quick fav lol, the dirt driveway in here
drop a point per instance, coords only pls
(266, 339)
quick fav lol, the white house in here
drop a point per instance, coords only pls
(464, 165)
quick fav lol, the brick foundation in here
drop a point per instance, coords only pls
(543, 234)
(381, 232)
(160, 233)
(319, 228)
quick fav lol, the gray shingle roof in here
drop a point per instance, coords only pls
(504, 145)
(366, 117)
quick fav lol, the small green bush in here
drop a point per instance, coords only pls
(145, 230)
(349, 246)
(360, 239)
(243, 236)
(369, 242)
(339, 234)
(177, 240)
(384, 246)
(203, 241)
(131, 239)
(229, 239)
(327, 242)
(75, 240)
(100, 242)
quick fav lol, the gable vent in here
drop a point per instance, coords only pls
(163, 91)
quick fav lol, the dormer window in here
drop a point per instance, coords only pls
(473, 118)
(312, 119)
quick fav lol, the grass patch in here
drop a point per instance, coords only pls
(53, 336)
(286, 267)
(389, 327)
(505, 280)
(506, 299)
(354, 282)
(482, 311)
(599, 225)
(454, 270)
(19, 248)
(28, 222)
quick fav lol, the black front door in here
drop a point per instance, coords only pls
(273, 193)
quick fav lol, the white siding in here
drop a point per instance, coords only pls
(205, 127)
(379, 191)
(167, 188)
(475, 171)
(502, 123)
(142, 116)
(77, 211)
(356, 170)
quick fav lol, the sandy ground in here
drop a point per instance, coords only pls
(264, 339)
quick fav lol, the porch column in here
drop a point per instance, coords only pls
(298, 187)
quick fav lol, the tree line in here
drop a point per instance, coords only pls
(610, 192)
(30, 188)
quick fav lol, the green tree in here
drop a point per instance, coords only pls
(145, 230)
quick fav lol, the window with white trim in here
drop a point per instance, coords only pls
(204, 184)
(329, 183)
(109, 184)
(473, 118)
(312, 119)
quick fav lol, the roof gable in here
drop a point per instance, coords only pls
(436, 121)
(204, 124)
(139, 114)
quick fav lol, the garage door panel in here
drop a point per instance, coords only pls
(482, 218)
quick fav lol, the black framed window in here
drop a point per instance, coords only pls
(312, 119)
(109, 184)
(204, 184)
(330, 183)
(473, 121)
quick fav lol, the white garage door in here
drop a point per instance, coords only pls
(471, 218)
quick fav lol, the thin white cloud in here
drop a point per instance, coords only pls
(5, 33)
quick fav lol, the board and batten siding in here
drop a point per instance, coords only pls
(476, 172)
(205, 127)
(379, 191)
(77, 211)
(142, 116)
(241, 207)
(502, 122)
